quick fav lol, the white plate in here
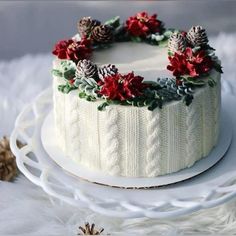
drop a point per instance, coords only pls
(211, 188)
(54, 151)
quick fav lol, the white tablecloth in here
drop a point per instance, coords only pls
(27, 210)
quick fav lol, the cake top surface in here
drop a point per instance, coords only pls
(137, 62)
(145, 60)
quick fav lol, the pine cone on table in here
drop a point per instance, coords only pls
(90, 230)
(86, 25)
(197, 36)
(8, 168)
(102, 34)
(86, 68)
(176, 43)
(106, 71)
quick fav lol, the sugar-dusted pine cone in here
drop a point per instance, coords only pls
(102, 34)
(197, 36)
(8, 168)
(176, 43)
(106, 71)
(86, 68)
(86, 25)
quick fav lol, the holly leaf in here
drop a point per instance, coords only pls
(113, 22)
(102, 106)
(135, 39)
(188, 99)
(69, 74)
(218, 67)
(66, 88)
(57, 73)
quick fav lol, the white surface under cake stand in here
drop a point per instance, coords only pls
(211, 188)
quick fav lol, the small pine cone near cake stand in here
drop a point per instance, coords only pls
(8, 168)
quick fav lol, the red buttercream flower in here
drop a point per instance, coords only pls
(122, 87)
(73, 50)
(142, 24)
(190, 63)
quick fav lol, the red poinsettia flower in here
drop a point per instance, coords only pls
(122, 87)
(73, 50)
(142, 24)
(190, 63)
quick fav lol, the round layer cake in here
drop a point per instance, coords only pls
(134, 141)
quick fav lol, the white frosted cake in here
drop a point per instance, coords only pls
(136, 109)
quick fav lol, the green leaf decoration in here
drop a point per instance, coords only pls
(66, 88)
(167, 33)
(157, 37)
(211, 82)
(66, 70)
(57, 73)
(188, 99)
(69, 74)
(102, 106)
(218, 67)
(136, 39)
(195, 81)
(87, 86)
(113, 22)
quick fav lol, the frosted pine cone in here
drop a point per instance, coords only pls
(86, 25)
(102, 34)
(106, 71)
(176, 43)
(85, 68)
(197, 36)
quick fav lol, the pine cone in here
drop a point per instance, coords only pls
(8, 168)
(102, 34)
(85, 68)
(86, 25)
(106, 71)
(197, 36)
(90, 230)
(176, 42)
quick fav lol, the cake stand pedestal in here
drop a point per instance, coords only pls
(213, 187)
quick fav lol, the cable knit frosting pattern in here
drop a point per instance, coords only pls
(153, 160)
(136, 142)
(112, 144)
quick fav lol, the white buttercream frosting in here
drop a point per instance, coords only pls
(144, 59)
(133, 141)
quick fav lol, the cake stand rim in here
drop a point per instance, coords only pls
(127, 209)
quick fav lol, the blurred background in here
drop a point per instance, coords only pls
(33, 27)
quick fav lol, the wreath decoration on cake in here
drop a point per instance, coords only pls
(191, 61)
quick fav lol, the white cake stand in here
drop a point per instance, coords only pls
(211, 188)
